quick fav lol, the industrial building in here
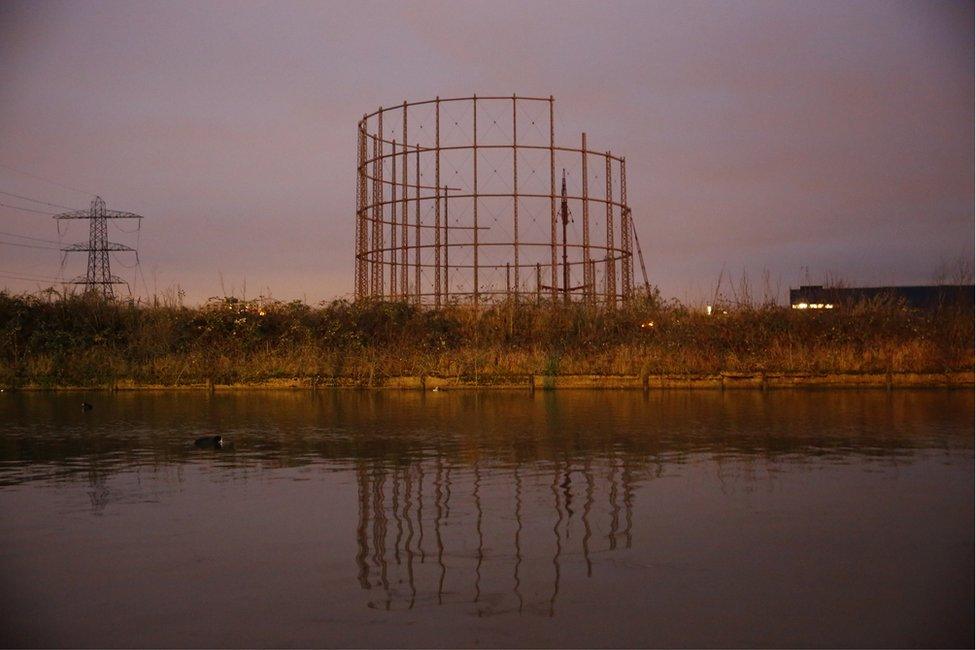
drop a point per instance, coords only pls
(916, 297)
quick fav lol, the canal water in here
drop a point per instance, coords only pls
(559, 519)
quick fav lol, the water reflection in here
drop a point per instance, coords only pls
(475, 523)
(577, 518)
(43, 436)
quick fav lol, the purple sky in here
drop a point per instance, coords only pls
(781, 136)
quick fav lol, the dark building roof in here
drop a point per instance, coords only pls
(921, 297)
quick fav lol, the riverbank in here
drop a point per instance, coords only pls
(725, 381)
(89, 344)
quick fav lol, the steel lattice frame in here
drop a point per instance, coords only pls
(412, 213)
(98, 277)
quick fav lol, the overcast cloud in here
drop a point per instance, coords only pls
(830, 136)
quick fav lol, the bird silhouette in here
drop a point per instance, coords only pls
(209, 442)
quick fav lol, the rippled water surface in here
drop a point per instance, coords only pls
(567, 519)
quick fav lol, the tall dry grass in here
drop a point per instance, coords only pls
(77, 341)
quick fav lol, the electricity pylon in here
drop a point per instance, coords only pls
(98, 279)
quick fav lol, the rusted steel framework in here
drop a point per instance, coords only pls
(466, 190)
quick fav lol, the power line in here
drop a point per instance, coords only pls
(28, 278)
(26, 273)
(46, 241)
(46, 180)
(27, 198)
(16, 207)
(10, 243)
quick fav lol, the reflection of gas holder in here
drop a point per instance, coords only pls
(435, 532)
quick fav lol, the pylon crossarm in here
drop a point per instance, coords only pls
(110, 246)
(108, 214)
(81, 279)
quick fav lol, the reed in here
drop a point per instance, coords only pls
(77, 341)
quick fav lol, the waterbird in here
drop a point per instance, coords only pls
(209, 442)
(85, 406)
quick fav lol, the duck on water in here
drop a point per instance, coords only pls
(209, 442)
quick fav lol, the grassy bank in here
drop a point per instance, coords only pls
(87, 343)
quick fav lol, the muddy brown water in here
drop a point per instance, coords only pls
(566, 519)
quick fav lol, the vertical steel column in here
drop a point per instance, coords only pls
(437, 247)
(393, 224)
(515, 199)
(564, 217)
(437, 203)
(508, 281)
(379, 244)
(359, 209)
(474, 150)
(538, 283)
(371, 262)
(627, 257)
(592, 265)
(416, 229)
(375, 225)
(447, 261)
(361, 232)
(554, 281)
(611, 293)
(404, 187)
(589, 282)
